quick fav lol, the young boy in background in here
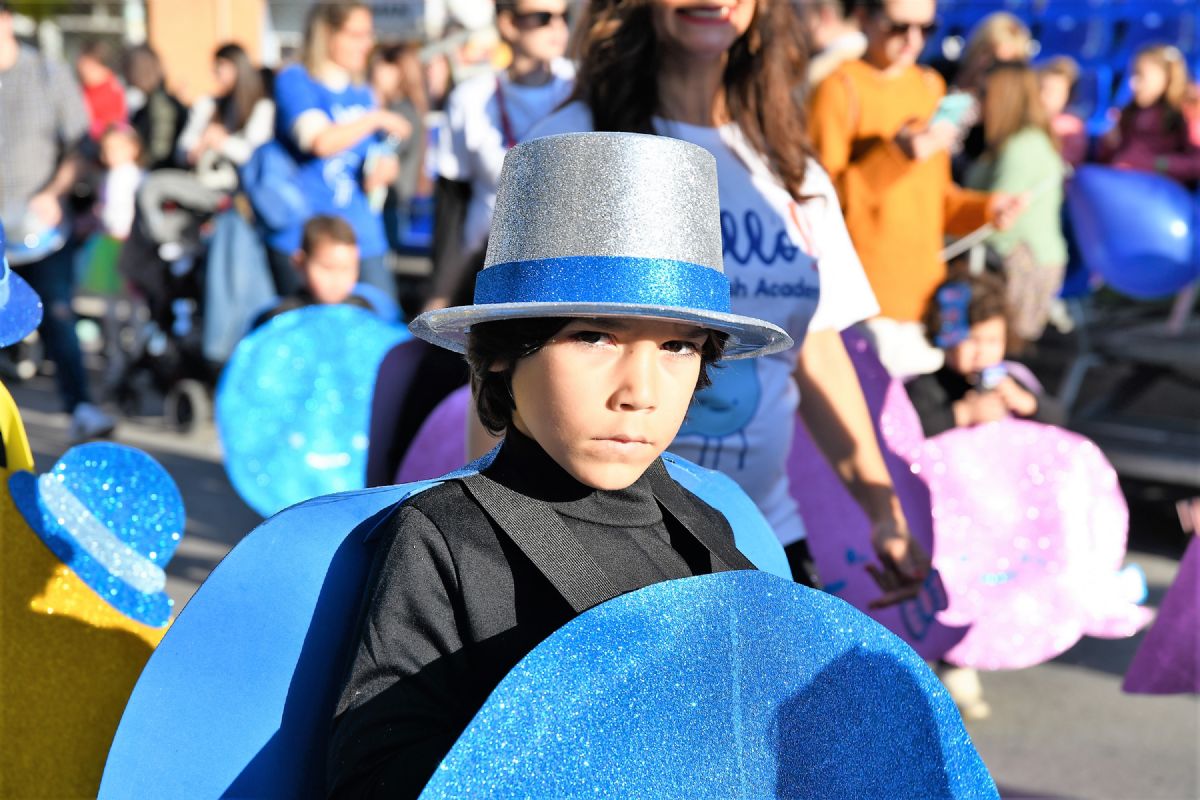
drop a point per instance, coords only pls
(328, 264)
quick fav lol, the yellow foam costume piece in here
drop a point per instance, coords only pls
(68, 663)
(17, 454)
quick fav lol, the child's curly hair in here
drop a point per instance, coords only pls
(988, 300)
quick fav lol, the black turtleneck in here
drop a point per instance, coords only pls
(623, 530)
(452, 604)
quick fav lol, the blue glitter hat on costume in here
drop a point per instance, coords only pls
(736, 684)
(606, 225)
(114, 516)
(20, 307)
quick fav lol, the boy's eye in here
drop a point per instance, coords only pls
(682, 347)
(590, 337)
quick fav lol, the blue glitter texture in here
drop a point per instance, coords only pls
(294, 402)
(605, 279)
(133, 498)
(730, 685)
(20, 306)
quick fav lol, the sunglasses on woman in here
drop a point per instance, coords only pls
(531, 20)
(895, 28)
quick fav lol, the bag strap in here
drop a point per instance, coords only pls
(851, 100)
(546, 541)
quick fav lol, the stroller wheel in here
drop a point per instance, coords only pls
(187, 406)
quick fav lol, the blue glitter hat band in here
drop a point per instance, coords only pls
(605, 279)
(121, 560)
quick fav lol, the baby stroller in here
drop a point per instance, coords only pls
(163, 260)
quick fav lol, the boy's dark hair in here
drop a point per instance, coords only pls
(989, 299)
(512, 339)
(325, 228)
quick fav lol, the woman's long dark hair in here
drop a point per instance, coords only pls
(235, 108)
(619, 56)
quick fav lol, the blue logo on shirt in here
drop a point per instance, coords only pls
(723, 410)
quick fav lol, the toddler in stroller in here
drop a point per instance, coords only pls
(163, 259)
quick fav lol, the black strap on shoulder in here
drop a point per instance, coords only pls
(546, 541)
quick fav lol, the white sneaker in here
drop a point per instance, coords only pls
(965, 689)
(89, 422)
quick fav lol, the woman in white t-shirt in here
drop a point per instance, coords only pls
(721, 75)
(486, 116)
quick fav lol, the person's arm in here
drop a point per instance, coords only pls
(870, 165)
(306, 122)
(933, 406)
(258, 130)
(325, 138)
(399, 710)
(835, 411)
(966, 210)
(72, 125)
(187, 147)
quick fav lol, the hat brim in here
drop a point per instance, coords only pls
(152, 609)
(748, 337)
(21, 314)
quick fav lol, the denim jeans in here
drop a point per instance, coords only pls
(53, 278)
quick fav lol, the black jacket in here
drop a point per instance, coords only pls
(453, 604)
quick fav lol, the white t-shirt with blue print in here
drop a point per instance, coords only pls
(788, 263)
(332, 185)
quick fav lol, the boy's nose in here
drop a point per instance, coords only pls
(637, 387)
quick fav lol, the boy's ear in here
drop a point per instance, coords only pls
(298, 260)
(500, 365)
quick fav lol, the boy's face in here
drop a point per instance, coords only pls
(330, 271)
(536, 29)
(605, 397)
(984, 347)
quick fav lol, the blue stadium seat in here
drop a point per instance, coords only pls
(1172, 22)
(1075, 31)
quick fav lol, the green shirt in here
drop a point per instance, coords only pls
(1027, 162)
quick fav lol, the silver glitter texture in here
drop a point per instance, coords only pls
(611, 194)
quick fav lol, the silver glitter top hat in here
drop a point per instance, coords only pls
(605, 225)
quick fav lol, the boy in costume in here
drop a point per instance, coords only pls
(601, 307)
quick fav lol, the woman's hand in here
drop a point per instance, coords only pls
(920, 144)
(905, 564)
(1019, 400)
(393, 124)
(1005, 209)
(47, 208)
(213, 138)
(384, 174)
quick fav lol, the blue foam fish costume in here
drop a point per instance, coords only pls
(263, 641)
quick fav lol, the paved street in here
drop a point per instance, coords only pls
(1063, 729)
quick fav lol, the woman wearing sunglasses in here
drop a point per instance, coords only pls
(720, 74)
(881, 127)
(487, 115)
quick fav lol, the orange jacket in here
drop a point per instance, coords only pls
(897, 210)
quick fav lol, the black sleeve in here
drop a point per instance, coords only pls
(450, 199)
(932, 403)
(399, 711)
